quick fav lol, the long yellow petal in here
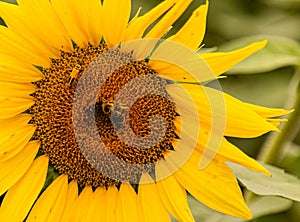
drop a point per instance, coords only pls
(173, 195)
(192, 33)
(12, 144)
(23, 77)
(10, 43)
(12, 66)
(50, 204)
(72, 195)
(67, 14)
(20, 198)
(13, 124)
(111, 203)
(176, 62)
(240, 120)
(214, 186)
(42, 16)
(230, 153)
(10, 89)
(138, 25)
(150, 205)
(16, 21)
(169, 18)
(221, 62)
(126, 204)
(81, 205)
(94, 20)
(267, 112)
(96, 209)
(82, 19)
(13, 169)
(116, 16)
(14, 106)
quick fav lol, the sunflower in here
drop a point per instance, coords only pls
(64, 64)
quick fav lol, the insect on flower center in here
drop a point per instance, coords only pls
(52, 114)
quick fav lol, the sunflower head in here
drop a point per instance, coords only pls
(119, 112)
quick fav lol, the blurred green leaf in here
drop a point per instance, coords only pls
(279, 52)
(281, 183)
(291, 159)
(260, 206)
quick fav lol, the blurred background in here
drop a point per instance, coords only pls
(267, 83)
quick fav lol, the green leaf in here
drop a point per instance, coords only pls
(280, 184)
(291, 158)
(260, 206)
(279, 52)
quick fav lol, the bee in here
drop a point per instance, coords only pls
(74, 74)
(107, 107)
(115, 112)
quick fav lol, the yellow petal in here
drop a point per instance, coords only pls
(20, 198)
(14, 106)
(111, 203)
(14, 168)
(43, 18)
(10, 43)
(138, 25)
(67, 14)
(116, 16)
(164, 24)
(50, 204)
(240, 120)
(81, 205)
(126, 204)
(16, 21)
(72, 195)
(230, 153)
(276, 122)
(17, 70)
(176, 62)
(94, 20)
(214, 186)
(82, 19)
(10, 63)
(13, 124)
(221, 62)
(13, 143)
(244, 122)
(192, 33)
(267, 112)
(13, 75)
(96, 209)
(173, 195)
(150, 205)
(212, 127)
(10, 89)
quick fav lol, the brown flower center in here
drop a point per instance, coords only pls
(127, 132)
